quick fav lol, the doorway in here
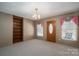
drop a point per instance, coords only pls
(17, 29)
(51, 31)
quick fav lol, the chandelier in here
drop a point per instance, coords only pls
(36, 16)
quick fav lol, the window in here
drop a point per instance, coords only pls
(69, 29)
(50, 28)
(39, 30)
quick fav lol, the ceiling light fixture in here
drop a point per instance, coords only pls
(36, 16)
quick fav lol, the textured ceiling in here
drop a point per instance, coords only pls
(26, 9)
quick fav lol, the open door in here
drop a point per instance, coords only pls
(51, 31)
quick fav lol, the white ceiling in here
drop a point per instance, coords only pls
(26, 9)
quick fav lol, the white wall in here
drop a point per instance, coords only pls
(28, 29)
(6, 29)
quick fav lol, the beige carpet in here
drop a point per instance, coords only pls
(38, 47)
